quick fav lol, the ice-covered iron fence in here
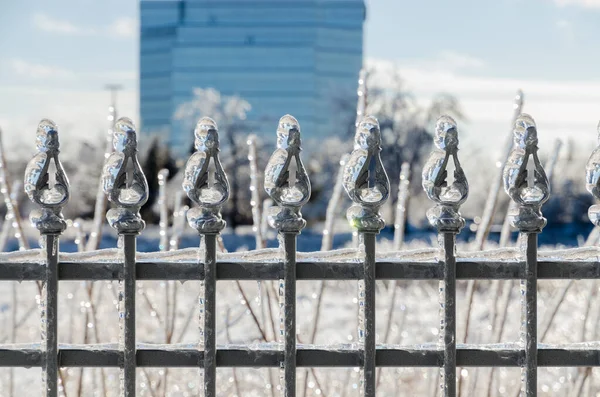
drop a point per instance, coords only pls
(287, 182)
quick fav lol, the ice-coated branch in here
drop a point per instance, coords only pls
(592, 181)
(362, 93)
(490, 204)
(445, 216)
(209, 190)
(333, 207)
(289, 188)
(254, 195)
(124, 182)
(527, 186)
(163, 209)
(365, 179)
(53, 195)
(13, 214)
(100, 205)
(401, 205)
(179, 212)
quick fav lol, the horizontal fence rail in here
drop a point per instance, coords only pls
(288, 185)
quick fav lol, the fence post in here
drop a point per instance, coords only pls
(446, 218)
(526, 183)
(51, 193)
(368, 186)
(290, 190)
(209, 190)
(125, 185)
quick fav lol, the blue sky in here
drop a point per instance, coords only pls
(56, 57)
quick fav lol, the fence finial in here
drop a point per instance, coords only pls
(445, 216)
(48, 219)
(209, 195)
(592, 179)
(365, 179)
(528, 188)
(124, 182)
(289, 192)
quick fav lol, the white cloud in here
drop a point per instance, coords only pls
(578, 3)
(53, 25)
(454, 60)
(39, 71)
(124, 27)
(448, 60)
(80, 114)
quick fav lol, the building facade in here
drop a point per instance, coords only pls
(282, 56)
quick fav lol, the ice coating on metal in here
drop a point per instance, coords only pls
(528, 191)
(128, 190)
(289, 192)
(208, 195)
(592, 181)
(368, 192)
(48, 219)
(445, 216)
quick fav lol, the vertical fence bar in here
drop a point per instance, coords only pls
(530, 306)
(368, 186)
(369, 326)
(51, 193)
(127, 316)
(445, 216)
(50, 316)
(125, 185)
(449, 299)
(210, 312)
(526, 183)
(209, 192)
(289, 359)
(287, 183)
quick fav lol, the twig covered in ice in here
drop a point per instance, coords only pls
(333, 207)
(492, 199)
(254, 193)
(401, 206)
(12, 207)
(101, 200)
(163, 222)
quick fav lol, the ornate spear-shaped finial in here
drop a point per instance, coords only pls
(365, 179)
(51, 199)
(445, 216)
(528, 188)
(124, 182)
(210, 195)
(289, 192)
(592, 179)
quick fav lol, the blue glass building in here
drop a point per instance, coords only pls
(282, 56)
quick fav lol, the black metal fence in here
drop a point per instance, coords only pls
(287, 183)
